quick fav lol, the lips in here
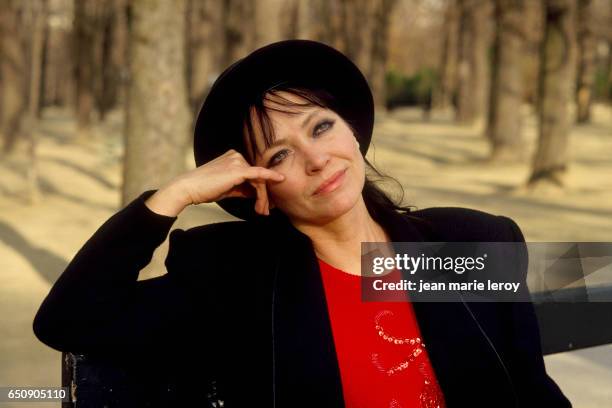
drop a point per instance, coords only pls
(329, 181)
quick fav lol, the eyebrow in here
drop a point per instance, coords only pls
(303, 125)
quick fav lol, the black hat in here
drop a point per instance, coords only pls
(306, 63)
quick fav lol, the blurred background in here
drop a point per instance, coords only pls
(499, 105)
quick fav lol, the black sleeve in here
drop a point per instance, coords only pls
(98, 305)
(526, 364)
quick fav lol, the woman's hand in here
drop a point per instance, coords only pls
(228, 175)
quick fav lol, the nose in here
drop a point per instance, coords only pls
(315, 158)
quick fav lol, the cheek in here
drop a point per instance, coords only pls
(286, 192)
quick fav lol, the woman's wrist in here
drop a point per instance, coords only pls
(168, 200)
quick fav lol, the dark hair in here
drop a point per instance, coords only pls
(378, 202)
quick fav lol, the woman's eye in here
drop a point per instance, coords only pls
(323, 126)
(319, 128)
(277, 158)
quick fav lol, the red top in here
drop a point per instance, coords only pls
(383, 361)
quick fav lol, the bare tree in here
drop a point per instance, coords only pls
(356, 20)
(608, 82)
(204, 53)
(35, 20)
(473, 78)
(220, 32)
(13, 68)
(119, 50)
(445, 88)
(58, 67)
(533, 28)
(363, 35)
(504, 119)
(157, 113)
(586, 61)
(240, 32)
(381, 14)
(268, 21)
(359, 28)
(110, 45)
(290, 19)
(318, 20)
(86, 14)
(555, 93)
(603, 16)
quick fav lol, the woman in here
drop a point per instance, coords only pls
(269, 308)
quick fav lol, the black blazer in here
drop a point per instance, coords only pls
(245, 302)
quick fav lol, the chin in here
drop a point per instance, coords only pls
(336, 207)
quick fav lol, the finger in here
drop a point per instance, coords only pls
(263, 173)
(264, 198)
(244, 190)
(237, 193)
(261, 203)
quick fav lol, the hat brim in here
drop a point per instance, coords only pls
(218, 126)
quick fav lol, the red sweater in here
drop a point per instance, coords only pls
(383, 361)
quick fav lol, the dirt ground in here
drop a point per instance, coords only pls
(438, 163)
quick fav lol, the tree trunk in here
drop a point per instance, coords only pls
(204, 33)
(586, 61)
(356, 20)
(504, 119)
(240, 31)
(303, 20)
(119, 51)
(289, 19)
(443, 95)
(608, 71)
(268, 21)
(318, 20)
(13, 73)
(109, 56)
(360, 29)
(555, 93)
(58, 75)
(473, 60)
(84, 42)
(36, 17)
(157, 113)
(380, 50)
(325, 21)
(533, 27)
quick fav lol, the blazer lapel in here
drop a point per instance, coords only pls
(306, 367)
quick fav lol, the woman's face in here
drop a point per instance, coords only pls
(312, 145)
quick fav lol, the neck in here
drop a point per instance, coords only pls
(338, 242)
